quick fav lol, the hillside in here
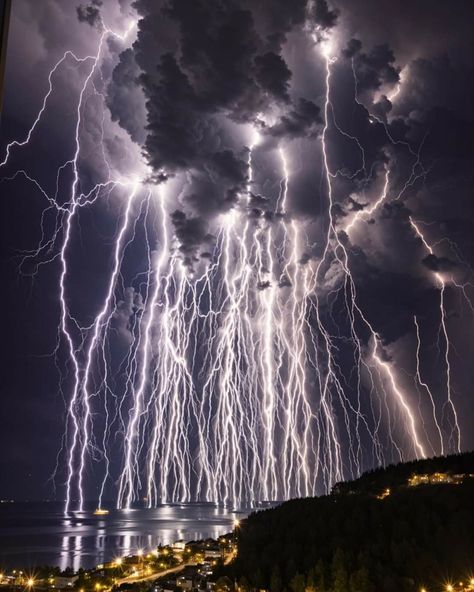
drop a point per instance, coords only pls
(395, 476)
(412, 538)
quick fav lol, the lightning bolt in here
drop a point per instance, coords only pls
(456, 433)
(336, 251)
(256, 376)
(425, 385)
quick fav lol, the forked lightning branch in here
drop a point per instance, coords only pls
(232, 389)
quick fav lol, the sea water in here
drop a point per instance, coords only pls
(33, 534)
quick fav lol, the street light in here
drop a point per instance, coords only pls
(30, 582)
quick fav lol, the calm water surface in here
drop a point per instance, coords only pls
(32, 534)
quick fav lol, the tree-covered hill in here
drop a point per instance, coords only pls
(415, 537)
(396, 476)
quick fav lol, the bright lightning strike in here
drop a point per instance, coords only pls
(444, 329)
(234, 386)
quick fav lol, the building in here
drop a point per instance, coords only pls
(435, 478)
(212, 553)
(185, 582)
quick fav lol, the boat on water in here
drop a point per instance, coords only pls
(100, 512)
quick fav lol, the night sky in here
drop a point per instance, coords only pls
(178, 103)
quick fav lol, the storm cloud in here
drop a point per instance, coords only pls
(225, 105)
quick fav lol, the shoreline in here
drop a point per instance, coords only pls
(38, 534)
(195, 559)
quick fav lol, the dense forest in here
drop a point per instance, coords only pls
(414, 538)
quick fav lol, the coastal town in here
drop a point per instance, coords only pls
(193, 566)
(180, 567)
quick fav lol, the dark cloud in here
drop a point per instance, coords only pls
(375, 68)
(324, 16)
(191, 233)
(171, 141)
(90, 13)
(356, 206)
(273, 75)
(257, 200)
(338, 211)
(229, 166)
(382, 108)
(125, 98)
(304, 120)
(216, 62)
(437, 82)
(278, 17)
(207, 194)
(391, 296)
(352, 48)
(395, 210)
(217, 67)
(199, 67)
(255, 213)
(444, 30)
(263, 285)
(434, 263)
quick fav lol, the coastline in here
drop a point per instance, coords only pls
(194, 561)
(33, 534)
